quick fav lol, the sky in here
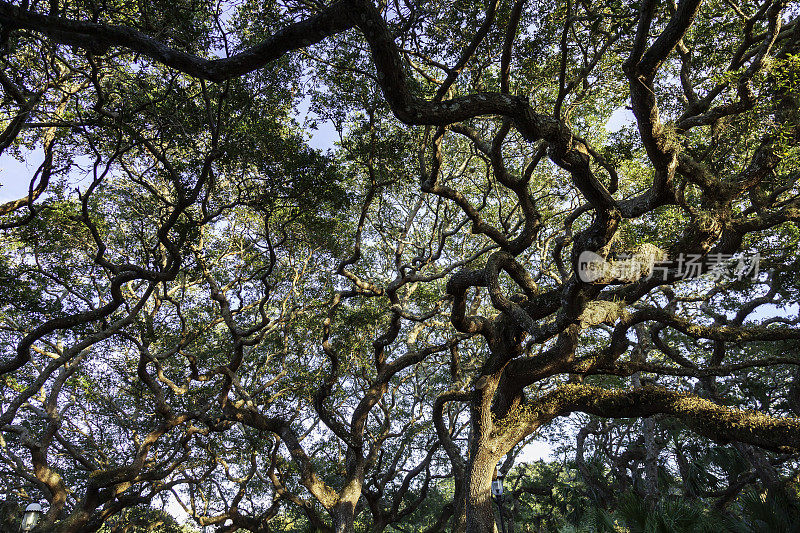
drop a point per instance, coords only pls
(15, 175)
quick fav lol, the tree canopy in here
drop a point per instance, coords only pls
(563, 219)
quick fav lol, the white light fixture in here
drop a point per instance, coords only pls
(497, 483)
(33, 512)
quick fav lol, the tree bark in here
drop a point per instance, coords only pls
(480, 514)
(459, 520)
(344, 511)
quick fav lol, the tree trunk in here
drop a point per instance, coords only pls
(650, 461)
(344, 511)
(480, 514)
(343, 517)
(648, 424)
(509, 516)
(459, 519)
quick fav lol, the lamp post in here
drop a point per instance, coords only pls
(33, 512)
(497, 494)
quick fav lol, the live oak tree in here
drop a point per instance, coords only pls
(261, 288)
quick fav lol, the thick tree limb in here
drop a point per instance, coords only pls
(720, 423)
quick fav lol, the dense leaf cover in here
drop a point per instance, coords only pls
(199, 309)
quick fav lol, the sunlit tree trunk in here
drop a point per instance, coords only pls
(480, 514)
